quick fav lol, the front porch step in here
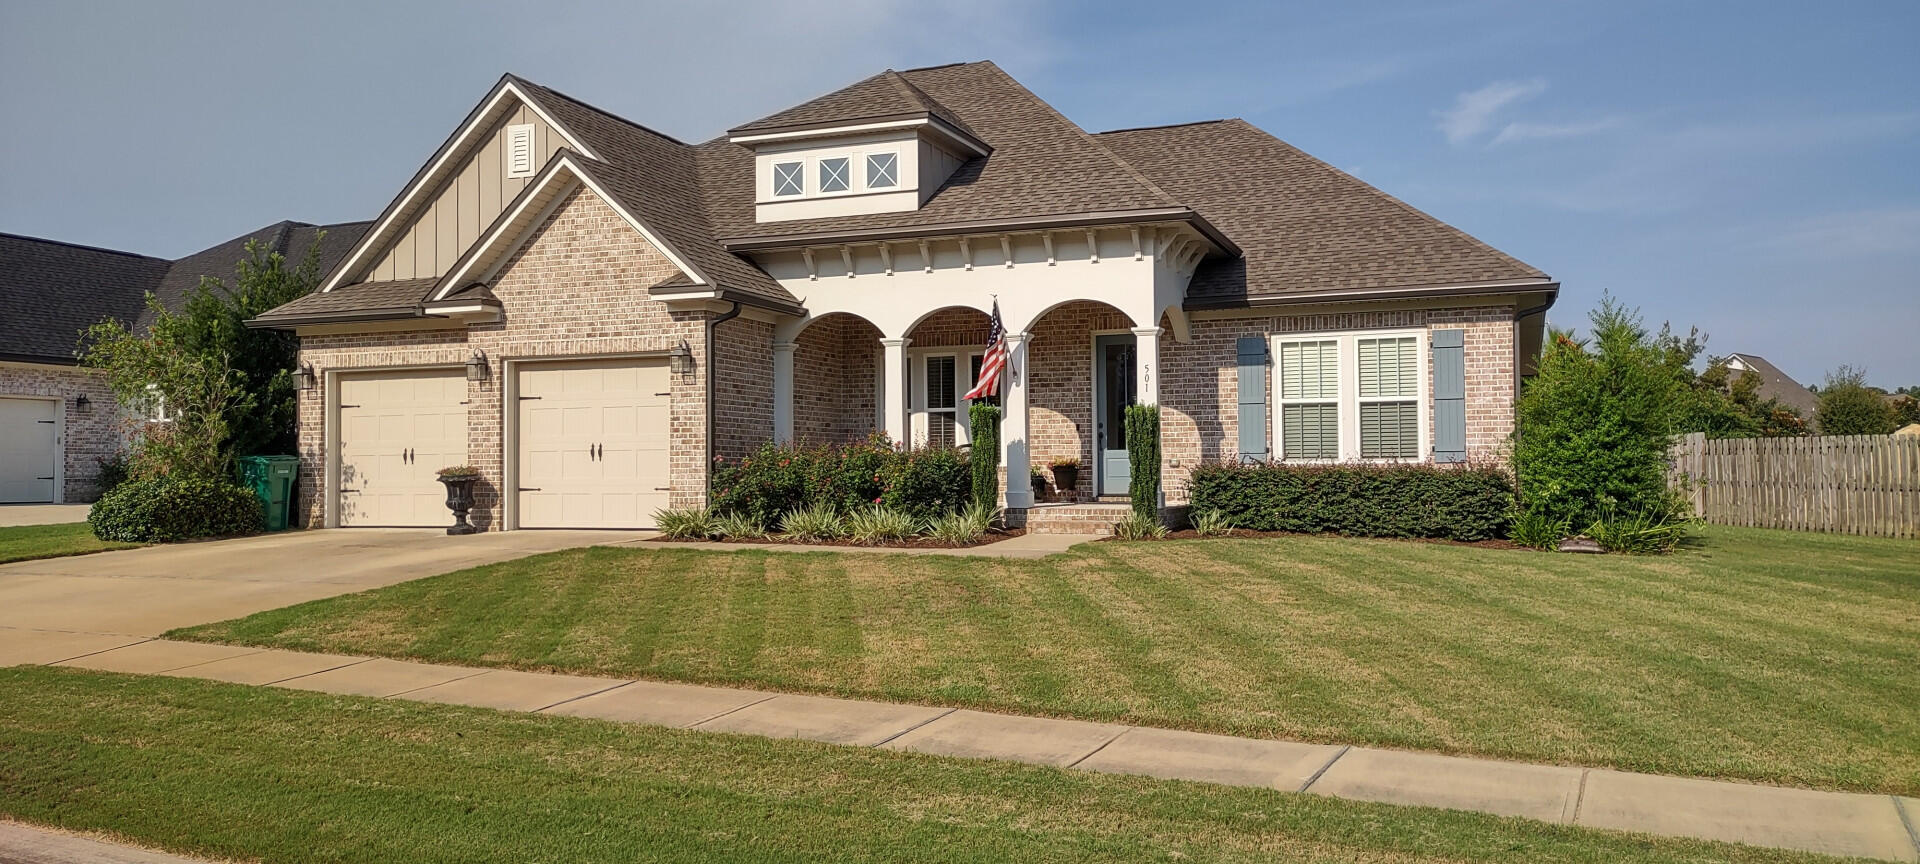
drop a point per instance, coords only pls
(1092, 519)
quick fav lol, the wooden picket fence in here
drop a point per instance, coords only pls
(1844, 484)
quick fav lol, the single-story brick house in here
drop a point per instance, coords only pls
(591, 312)
(57, 418)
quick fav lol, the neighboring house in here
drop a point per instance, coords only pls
(592, 312)
(58, 420)
(1775, 384)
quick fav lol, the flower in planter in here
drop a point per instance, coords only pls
(458, 472)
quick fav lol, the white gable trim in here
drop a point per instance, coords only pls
(481, 119)
(466, 272)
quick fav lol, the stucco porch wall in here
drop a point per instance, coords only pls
(578, 288)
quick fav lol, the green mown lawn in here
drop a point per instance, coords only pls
(1758, 655)
(25, 542)
(262, 773)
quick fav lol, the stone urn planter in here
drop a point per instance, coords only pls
(459, 481)
(1066, 474)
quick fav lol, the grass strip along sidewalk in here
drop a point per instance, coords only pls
(254, 772)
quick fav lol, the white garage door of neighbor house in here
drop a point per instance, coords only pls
(593, 443)
(28, 449)
(396, 430)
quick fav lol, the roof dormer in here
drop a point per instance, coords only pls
(880, 146)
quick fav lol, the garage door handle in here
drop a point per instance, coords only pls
(529, 488)
(344, 491)
(43, 421)
(43, 478)
(663, 488)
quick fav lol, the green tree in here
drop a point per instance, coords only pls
(1592, 429)
(225, 389)
(1849, 407)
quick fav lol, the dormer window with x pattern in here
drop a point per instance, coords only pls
(789, 178)
(834, 175)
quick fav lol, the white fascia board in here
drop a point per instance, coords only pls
(514, 223)
(461, 141)
(827, 132)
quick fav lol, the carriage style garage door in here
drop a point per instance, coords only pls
(593, 443)
(28, 449)
(396, 430)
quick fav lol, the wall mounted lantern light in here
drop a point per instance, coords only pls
(680, 359)
(82, 403)
(477, 366)
(303, 378)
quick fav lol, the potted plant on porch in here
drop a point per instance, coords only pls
(1038, 482)
(459, 480)
(1066, 473)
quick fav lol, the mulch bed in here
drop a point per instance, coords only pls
(991, 537)
(1242, 533)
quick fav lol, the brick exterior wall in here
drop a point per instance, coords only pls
(834, 363)
(1199, 381)
(92, 434)
(1060, 421)
(743, 387)
(578, 287)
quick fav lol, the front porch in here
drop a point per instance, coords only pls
(1072, 370)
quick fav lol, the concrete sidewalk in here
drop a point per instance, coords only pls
(1873, 826)
(33, 845)
(17, 515)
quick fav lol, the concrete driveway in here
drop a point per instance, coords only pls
(15, 515)
(148, 591)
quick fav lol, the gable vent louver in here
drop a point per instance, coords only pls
(520, 150)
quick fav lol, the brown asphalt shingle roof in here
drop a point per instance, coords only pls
(1778, 385)
(1301, 224)
(53, 290)
(399, 294)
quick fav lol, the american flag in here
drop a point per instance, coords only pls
(993, 362)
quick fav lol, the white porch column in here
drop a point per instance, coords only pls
(783, 392)
(1146, 365)
(1014, 449)
(893, 390)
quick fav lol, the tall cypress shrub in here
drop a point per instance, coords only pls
(984, 457)
(1143, 459)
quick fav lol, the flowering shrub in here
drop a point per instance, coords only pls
(777, 480)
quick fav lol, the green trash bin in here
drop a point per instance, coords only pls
(271, 479)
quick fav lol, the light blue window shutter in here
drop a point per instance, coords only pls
(1449, 395)
(1252, 419)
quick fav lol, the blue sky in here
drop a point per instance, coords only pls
(1746, 167)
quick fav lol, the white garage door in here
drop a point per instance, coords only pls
(28, 449)
(593, 443)
(396, 430)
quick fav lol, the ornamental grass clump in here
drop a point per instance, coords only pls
(877, 524)
(685, 524)
(1211, 523)
(964, 527)
(738, 526)
(1138, 527)
(813, 522)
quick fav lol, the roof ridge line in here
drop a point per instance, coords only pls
(1166, 126)
(602, 111)
(72, 245)
(1124, 165)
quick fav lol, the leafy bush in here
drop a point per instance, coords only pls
(1211, 523)
(688, 524)
(963, 527)
(777, 480)
(984, 459)
(113, 472)
(172, 507)
(1363, 500)
(1538, 530)
(1849, 407)
(1592, 429)
(877, 524)
(1138, 527)
(738, 526)
(1143, 455)
(813, 522)
(929, 482)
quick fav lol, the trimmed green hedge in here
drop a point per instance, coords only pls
(165, 509)
(984, 457)
(777, 480)
(1143, 460)
(1361, 500)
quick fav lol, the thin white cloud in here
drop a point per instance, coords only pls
(1857, 233)
(1472, 111)
(1546, 131)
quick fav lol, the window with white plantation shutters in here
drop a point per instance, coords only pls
(520, 150)
(941, 401)
(1389, 397)
(1309, 373)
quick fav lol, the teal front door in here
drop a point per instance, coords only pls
(1112, 393)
